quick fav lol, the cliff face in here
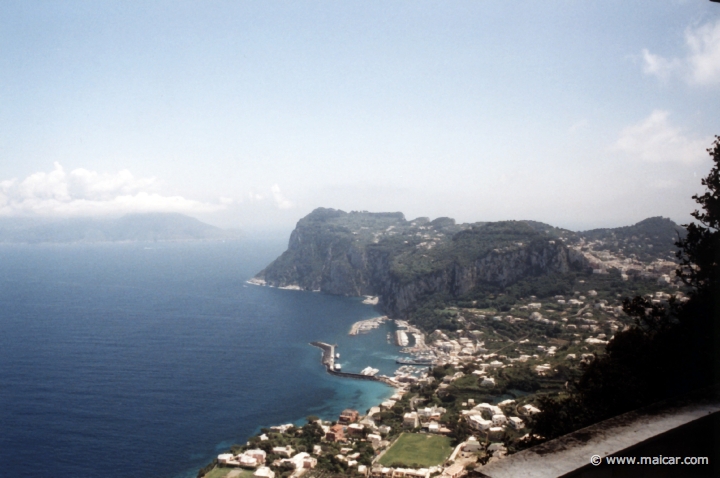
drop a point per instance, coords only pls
(327, 253)
(497, 267)
(401, 261)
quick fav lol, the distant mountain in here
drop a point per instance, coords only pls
(129, 228)
(649, 239)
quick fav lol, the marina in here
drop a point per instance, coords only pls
(365, 326)
(328, 360)
(416, 361)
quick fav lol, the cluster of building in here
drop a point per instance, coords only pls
(255, 459)
(427, 419)
(491, 419)
(248, 459)
(387, 472)
(351, 427)
(602, 261)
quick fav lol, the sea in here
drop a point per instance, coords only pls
(149, 359)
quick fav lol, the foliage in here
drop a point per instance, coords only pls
(670, 350)
(700, 251)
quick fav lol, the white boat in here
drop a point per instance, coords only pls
(338, 367)
(337, 355)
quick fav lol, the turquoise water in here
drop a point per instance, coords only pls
(156, 357)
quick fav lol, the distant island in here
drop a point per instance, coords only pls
(148, 227)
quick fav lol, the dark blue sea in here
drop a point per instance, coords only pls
(127, 360)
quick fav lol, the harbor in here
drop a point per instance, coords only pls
(365, 326)
(328, 360)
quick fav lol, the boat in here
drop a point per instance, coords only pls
(337, 367)
(369, 371)
(337, 355)
(415, 361)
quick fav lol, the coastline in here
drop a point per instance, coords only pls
(364, 329)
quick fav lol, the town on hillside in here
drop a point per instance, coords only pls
(473, 366)
(465, 397)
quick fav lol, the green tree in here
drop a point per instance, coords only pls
(671, 350)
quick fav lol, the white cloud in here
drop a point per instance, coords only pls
(659, 66)
(88, 193)
(701, 65)
(280, 201)
(655, 140)
(704, 60)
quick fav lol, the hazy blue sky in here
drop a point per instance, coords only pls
(251, 114)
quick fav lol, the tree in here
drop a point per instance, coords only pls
(700, 250)
(671, 350)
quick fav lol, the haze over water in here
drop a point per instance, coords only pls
(149, 359)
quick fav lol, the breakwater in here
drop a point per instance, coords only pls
(328, 359)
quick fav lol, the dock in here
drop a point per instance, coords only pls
(367, 325)
(328, 360)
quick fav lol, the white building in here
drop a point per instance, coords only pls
(410, 420)
(374, 439)
(302, 461)
(471, 445)
(411, 473)
(516, 423)
(431, 412)
(264, 472)
(499, 420)
(478, 422)
(453, 471)
(495, 432)
(285, 451)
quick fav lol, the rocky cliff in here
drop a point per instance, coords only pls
(401, 261)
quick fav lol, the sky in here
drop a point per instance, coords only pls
(249, 115)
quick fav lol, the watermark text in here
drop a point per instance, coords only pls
(597, 460)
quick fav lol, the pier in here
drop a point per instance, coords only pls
(328, 359)
(365, 326)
